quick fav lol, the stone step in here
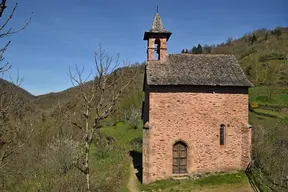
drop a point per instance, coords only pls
(181, 177)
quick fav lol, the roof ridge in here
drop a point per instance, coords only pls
(189, 54)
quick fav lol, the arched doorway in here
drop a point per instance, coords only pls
(179, 158)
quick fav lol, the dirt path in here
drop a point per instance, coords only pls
(132, 183)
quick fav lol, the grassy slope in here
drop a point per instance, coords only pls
(270, 150)
(271, 96)
(110, 164)
(249, 56)
(263, 61)
(215, 183)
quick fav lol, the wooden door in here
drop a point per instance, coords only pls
(179, 158)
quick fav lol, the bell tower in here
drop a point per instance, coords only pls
(156, 39)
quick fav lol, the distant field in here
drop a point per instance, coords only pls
(269, 96)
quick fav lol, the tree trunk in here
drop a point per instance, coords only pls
(87, 170)
(87, 150)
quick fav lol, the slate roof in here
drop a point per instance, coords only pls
(197, 69)
(157, 27)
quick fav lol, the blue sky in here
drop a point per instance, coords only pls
(63, 33)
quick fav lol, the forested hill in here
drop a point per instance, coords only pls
(262, 54)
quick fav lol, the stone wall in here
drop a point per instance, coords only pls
(195, 118)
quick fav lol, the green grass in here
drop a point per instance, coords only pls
(268, 153)
(110, 163)
(255, 119)
(123, 134)
(272, 113)
(232, 178)
(188, 185)
(269, 96)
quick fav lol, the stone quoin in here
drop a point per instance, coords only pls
(195, 111)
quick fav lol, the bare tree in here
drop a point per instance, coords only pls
(98, 98)
(7, 31)
(131, 116)
(15, 128)
(12, 139)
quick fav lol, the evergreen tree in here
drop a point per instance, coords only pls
(194, 50)
(199, 49)
(252, 39)
(183, 51)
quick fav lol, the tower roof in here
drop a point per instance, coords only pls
(157, 27)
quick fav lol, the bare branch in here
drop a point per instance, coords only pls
(9, 18)
(9, 104)
(7, 66)
(28, 137)
(69, 119)
(9, 31)
(79, 168)
(104, 91)
(2, 7)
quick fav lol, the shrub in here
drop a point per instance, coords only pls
(277, 32)
(136, 143)
(271, 56)
(248, 52)
(254, 105)
(132, 116)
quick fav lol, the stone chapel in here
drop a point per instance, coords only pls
(195, 111)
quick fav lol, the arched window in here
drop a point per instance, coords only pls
(179, 158)
(157, 49)
(222, 134)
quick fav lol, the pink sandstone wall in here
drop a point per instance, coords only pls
(195, 118)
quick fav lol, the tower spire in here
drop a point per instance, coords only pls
(156, 38)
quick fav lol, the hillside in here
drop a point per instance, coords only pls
(132, 95)
(18, 99)
(262, 54)
(264, 63)
(10, 88)
(46, 162)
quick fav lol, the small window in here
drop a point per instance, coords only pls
(222, 134)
